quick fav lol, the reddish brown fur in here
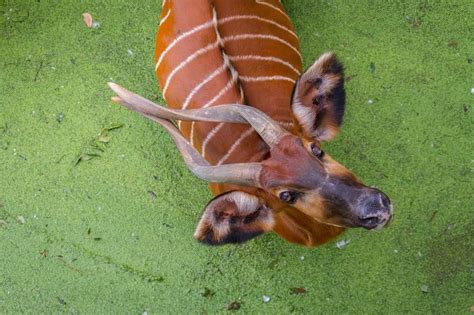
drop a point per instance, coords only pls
(272, 97)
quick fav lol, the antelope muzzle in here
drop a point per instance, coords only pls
(374, 209)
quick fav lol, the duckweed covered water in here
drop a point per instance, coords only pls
(95, 219)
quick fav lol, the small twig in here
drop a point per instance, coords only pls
(68, 265)
(60, 159)
(39, 69)
(22, 19)
(433, 216)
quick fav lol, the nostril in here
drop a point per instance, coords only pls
(370, 222)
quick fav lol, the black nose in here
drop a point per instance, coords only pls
(376, 210)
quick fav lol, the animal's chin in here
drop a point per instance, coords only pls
(338, 222)
(375, 223)
(375, 226)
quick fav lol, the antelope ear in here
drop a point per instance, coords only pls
(233, 217)
(318, 98)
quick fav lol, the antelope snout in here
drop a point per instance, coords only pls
(376, 210)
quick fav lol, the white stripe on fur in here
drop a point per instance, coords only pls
(208, 138)
(180, 38)
(186, 62)
(242, 137)
(265, 58)
(273, 7)
(263, 79)
(163, 20)
(261, 36)
(258, 18)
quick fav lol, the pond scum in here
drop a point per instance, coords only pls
(95, 220)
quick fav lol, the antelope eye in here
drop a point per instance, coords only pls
(317, 152)
(288, 196)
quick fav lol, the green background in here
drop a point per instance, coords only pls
(113, 233)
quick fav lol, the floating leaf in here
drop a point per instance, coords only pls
(87, 18)
(59, 117)
(300, 290)
(94, 145)
(452, 44)
(97, 144)
(350, 77)
(233, 306)
(21, 219)
(207, 293)
(85, 157)
(154, 279)
(342, 244)
(152, 194)
(425, 288)
(114, 126)
(104, 138)
(372, 67)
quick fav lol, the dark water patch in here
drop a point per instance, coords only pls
(451, 252)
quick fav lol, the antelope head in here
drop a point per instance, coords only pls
(296, 172)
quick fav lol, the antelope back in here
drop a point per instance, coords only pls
(211, 52)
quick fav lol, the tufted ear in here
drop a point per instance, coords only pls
(318, 99)
(233, 217)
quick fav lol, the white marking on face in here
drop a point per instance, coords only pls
(246, 203)
(304, 114)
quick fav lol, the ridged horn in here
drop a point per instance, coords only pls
(246, 174)
(270, 131)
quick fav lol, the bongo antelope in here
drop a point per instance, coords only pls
(251, 123)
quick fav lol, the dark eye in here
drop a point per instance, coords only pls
(317, 152)
(288, 196)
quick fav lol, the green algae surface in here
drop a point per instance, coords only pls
(97, 209)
